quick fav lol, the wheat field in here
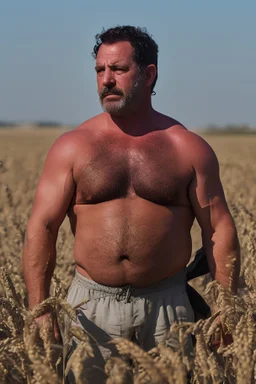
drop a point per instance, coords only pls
(29, 357)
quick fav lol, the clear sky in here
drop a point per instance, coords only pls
(207, 58)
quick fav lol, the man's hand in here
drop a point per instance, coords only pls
(221, 334)
(48, 317)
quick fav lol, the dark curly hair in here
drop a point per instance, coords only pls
(145, 48)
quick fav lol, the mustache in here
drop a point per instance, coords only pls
(110, 91)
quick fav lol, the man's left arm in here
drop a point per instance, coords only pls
(219, 233)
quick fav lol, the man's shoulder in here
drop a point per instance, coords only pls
(191, 145)
(78, 136)
(186, 137)
(90, 124)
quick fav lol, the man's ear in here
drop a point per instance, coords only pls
(150, 74)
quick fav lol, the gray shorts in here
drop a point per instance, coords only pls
(143, 315)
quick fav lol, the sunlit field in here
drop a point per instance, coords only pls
(27, 357)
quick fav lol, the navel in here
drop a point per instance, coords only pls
(123, 257)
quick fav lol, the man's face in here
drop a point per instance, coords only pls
(120, 82)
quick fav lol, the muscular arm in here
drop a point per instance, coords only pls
(219, 233)
(53, 196)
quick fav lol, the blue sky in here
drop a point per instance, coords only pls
(207, 58)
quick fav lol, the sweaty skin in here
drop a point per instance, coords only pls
(131, 202)
(132, 183)
(131, 215)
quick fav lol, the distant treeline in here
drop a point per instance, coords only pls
(230, 129)
(4, 124)
(38, 124)
(210, 129)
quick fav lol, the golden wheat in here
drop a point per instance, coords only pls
(30, 356)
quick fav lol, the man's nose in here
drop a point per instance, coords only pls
(109, 78)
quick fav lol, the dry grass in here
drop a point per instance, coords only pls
(27, 357)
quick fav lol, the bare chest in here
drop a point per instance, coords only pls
(116, 168)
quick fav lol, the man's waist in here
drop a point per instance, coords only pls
(176, 280)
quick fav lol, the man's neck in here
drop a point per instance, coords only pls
(137, 123)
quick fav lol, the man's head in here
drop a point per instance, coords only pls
(126, 66)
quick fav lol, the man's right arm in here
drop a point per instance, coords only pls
(53, 196)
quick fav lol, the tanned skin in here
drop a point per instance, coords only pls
(132, 184)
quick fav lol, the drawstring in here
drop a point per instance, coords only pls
(128, 294)
(124, 294)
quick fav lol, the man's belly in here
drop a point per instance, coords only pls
(131, 241)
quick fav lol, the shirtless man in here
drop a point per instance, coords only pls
(132, 181)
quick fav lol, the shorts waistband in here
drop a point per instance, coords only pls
(179, 279)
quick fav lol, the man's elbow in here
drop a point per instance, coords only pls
(225, 229)
(224, 252)
(39, 228)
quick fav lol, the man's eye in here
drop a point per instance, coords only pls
(119, 69)
(99, 69)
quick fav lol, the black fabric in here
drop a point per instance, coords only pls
(198, 267)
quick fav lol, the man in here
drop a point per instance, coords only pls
(132, 181)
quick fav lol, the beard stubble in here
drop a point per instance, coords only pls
(128, 101)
